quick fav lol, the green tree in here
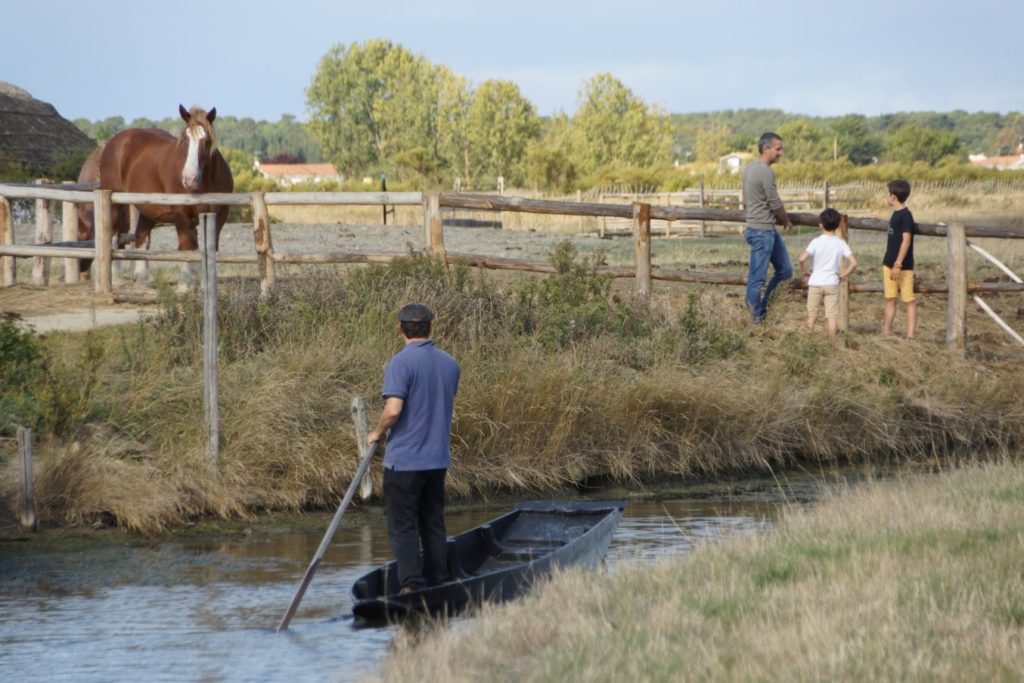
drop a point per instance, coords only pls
(614, 126)
(501, 125)
(912, 142)
(804, 141)
(374, 106)
(855, 141)
(454, 99)
(549, 160)
(711, 141)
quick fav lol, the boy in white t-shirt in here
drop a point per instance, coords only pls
(827, 250)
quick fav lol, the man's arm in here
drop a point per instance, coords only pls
(388, 417)
(783, 217)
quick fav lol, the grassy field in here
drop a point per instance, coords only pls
(914, 579)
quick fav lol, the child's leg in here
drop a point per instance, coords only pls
(888, 314)
(811, 319)
(911, 307)
(833, 327)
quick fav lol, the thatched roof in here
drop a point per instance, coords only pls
(33, 134)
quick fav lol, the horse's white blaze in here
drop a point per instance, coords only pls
(191, 174)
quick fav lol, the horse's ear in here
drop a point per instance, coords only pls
(184, 113)
(211, 115)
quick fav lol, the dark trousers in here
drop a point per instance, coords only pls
(414, 501)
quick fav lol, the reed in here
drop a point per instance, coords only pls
(567, 381)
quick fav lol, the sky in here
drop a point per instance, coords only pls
(139, 58)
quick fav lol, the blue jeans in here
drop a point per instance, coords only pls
(766, 246)
(414, 501)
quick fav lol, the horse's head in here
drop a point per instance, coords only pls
(199, 136)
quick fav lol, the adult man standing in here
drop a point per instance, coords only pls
(764, 211)
(420, 383)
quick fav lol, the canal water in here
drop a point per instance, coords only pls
(205, 610)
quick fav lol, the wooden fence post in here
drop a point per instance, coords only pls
(44, 235)
(264, 243)
(361, 419)
(703, 223)
(956, 284)
(825, 196)
(7, 263)
(28, 498)
(843, 321)
(642, 248)
(69, 233)
(211, 409)
(104, 233)
(433, 222)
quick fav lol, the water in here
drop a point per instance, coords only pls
(206, 610)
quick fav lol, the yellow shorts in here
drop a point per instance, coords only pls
(827, 293)
(904, 286)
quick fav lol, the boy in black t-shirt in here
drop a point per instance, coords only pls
(898, 263)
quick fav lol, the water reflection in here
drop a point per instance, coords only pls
(206, 610)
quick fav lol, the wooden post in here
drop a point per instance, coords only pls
(44, 235)
(579, 200)
(69, 233)
(361, 419)
(843, 321)
(28, 498)
(433, 222)
(104, 233)
(642, 248)
(956, 283)
(824, 201)
(604, 219)
(7, 263)
(264, 244)
(703, 223)
(208, 245)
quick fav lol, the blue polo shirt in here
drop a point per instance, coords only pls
(426, 378)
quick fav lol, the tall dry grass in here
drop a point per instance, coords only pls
(915, 579)
(567, 381)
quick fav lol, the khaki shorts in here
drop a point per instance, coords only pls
(904, 287)
(827, 293)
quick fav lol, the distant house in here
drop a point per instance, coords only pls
(1012, 162)
(289, 174)
(734, 162)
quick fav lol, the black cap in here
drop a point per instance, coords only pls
(415, 313)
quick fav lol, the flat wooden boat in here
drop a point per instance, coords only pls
(498, 560)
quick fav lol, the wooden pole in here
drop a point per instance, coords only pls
(208, 244)
(642, 248)
(7, 263)
(264, 244)
(433, 222)
(824, 201)
(104, 235)
(28, 499)
(579, 200)
(69, 233)
(703, 223)
(843, 322)
(44, 235)
(361, 419)
(956, 283)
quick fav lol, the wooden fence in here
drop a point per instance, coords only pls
(638, 214)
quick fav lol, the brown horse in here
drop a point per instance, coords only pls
(154, 161)
(90, 173)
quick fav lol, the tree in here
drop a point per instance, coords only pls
(549, 163)
(374, 107)
(614, 126)
(711, 141)
(804, 141)
(913, 142)
(855, 140)
(501, 124)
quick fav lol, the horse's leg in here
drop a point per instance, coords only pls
(120, 219)
(143, 229)
(186, 242)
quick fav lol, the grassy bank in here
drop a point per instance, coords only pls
(916, 579)
(567, 381)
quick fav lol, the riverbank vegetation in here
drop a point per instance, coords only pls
(567, 381)
(913, 579)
